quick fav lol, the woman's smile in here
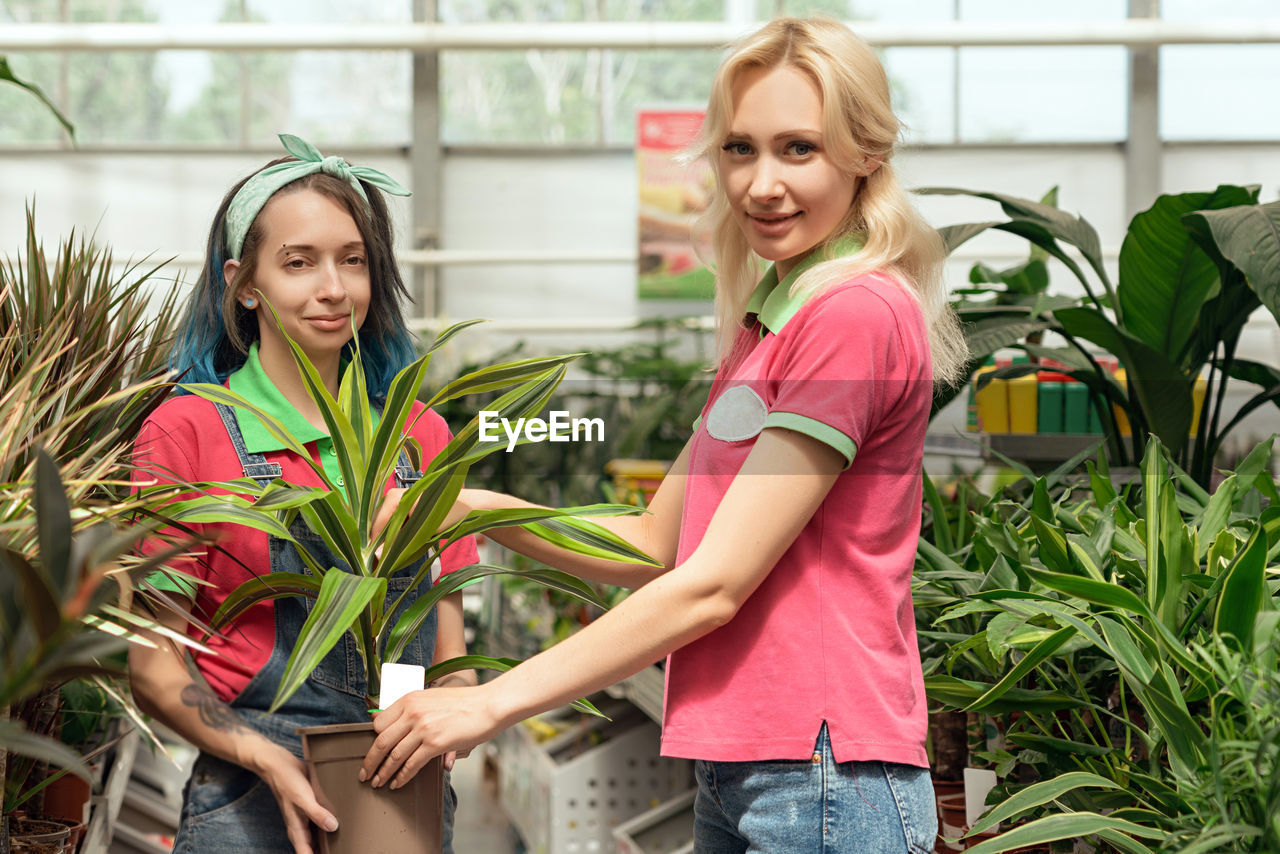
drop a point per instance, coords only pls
(774, 224)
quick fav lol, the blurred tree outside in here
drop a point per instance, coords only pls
(583, 96)
(216, 113)
(124, 97)
(535, 96)
(109, 96)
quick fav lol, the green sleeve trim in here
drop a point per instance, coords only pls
(172, 582)
(696, 423)
(824, 433)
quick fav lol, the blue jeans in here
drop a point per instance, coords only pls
(813, 806)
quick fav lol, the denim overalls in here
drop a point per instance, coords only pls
(230, 810)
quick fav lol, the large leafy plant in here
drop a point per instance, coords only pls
(64, 616)
(1193, 268)
(82, 362)
(351, 598)
(1151, 609)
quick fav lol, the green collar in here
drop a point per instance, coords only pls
(251, 381)
(772, 302)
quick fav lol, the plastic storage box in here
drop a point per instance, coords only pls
(665, 829)
(566, 793)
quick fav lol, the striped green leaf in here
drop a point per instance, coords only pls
(224, 395)
(411, 620)
(384, 449)
(586, 537)
(1042, 651)
(1040, 793)
(1091, 590)
(499, 376)
(263, 588)
(1074, 825)
(342, 600)
(1243, 591)
(346, 445)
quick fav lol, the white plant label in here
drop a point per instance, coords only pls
(398, 680)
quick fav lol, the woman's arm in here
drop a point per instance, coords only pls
(780, 486)
(165, 689)
(655, 532)
(451, 642)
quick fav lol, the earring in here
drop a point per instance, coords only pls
(250, 302)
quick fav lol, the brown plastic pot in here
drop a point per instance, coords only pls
(942, 788)
(951, 821)
(371, 821)
(67, 799)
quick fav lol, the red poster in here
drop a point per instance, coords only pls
(673, 195)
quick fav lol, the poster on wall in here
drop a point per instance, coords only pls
(672, 197)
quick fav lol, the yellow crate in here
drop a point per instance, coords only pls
(636, 481)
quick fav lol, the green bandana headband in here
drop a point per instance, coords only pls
(247, 204)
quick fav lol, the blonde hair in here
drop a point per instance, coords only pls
(859, 133)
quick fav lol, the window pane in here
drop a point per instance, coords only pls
(902, 10)
(546, 96)
(342, 96)
(1212, 91)
(30, 11)
(663, 10)
(26, 120)
(653, 78)
(1069, 94)
(330, 11)
(1017, 10)
(1219, 10)
(922, 80)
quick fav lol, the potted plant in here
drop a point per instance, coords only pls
(1149, 607)
(350, 598)
(1193, 268)
(60, 620)
(81, 364)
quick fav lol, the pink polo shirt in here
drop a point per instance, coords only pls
(184, 440)
(830, 633)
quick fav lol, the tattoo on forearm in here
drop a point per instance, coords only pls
(214, 712)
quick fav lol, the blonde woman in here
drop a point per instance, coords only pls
(787, 527)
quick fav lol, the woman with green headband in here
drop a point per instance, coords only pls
(312, 236)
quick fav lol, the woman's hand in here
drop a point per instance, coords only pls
(425, 724)
(287, 777)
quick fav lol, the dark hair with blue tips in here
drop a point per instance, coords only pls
(217, 331)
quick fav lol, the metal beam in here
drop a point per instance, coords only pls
(1143, 172)
(628, 35)
(425, 165)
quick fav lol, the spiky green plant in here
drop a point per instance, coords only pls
(64, 615)
(84, 349)
(351, 598)
(82, 362)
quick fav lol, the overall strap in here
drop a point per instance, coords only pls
(406, 474)
(257, 467)
(254, 465)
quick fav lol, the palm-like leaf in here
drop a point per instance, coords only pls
(352, 598)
